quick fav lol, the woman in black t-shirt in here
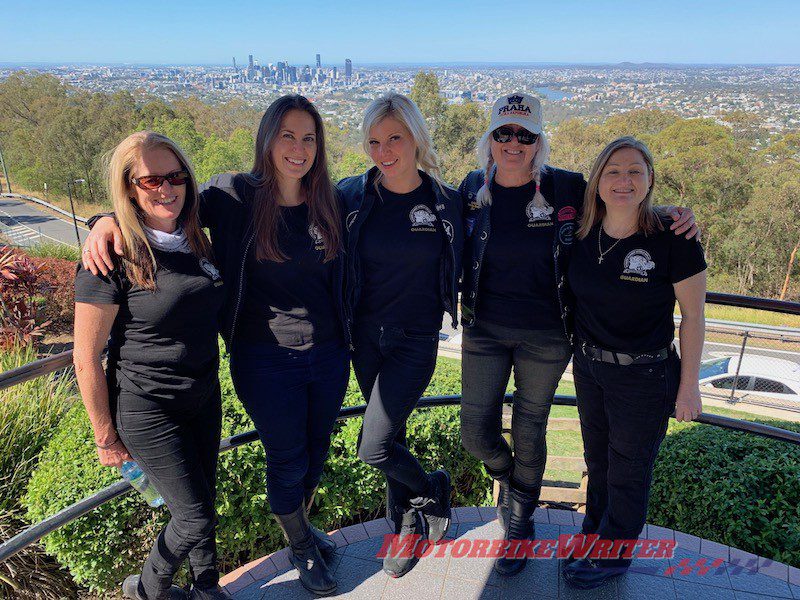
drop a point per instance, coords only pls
(626, 271)
(277, 234)
(404, 247)
(159, 402)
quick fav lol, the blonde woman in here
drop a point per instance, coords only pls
(403, 263)
(159, 402)
(519, 216)
(626, 271)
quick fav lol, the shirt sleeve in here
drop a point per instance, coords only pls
(686, 257)
(98, 289)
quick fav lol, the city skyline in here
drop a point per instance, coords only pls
(448, 32)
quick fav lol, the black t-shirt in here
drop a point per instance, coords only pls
(163, 344)
(626, 303)
(291, 303)
(517, 281)
(401, 249)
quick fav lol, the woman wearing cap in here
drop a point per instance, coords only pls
(519, 221)
(626, 272)
(403, 261)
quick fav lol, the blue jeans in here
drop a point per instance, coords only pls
(624, 412)
(293, 398)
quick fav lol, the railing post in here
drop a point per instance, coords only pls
(738, 367)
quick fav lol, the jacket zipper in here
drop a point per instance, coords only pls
(480, 266)
(241, 285)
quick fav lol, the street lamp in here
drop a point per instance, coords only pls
(70, 183)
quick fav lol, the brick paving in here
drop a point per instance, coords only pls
(740, 575)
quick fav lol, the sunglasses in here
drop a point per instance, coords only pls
(503, 135)
(153, 182)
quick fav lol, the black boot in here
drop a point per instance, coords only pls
(325, 543)
(410, 531)
(132, 588)
(589, 573)
(435, 506)
(502, 502)
(315, 575)
(519, 527)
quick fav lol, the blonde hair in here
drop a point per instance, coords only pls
(485, 160)
(407, 112)
(139, 261)
(594, 209)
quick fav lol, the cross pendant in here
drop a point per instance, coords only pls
(599, 260)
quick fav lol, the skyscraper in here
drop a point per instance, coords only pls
(234, 63)
(249, 61)
(319, 61)
(348, 70)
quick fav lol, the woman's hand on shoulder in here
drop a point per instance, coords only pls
(96, 256)
(688, 404)
(684, 222)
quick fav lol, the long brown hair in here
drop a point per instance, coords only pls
(594, 209)
(139, 261)
(323, 207)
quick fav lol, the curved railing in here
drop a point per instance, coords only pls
(64, 359)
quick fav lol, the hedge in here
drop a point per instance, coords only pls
(735, 488)
(103, 547)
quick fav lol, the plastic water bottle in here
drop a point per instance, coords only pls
(140, 482)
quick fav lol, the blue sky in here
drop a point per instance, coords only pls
(417, 31)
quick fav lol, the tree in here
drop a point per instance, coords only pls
(460, 127)
(425, 93)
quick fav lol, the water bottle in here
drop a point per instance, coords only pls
(140, 482)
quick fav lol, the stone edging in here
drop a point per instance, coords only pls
(278, 562)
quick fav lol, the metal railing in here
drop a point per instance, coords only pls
(69, 514)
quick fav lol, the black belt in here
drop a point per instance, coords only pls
(623, 358)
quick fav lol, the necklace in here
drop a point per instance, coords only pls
(600, 250)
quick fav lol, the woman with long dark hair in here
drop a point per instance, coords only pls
(276, 232)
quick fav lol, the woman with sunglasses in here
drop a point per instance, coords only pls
(159, 402)
(277, 235)
(403, 261)
(519, 221)
(626, 272)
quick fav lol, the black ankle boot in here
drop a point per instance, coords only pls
(325, 543)
(435, 506)
(315, 575)
(402, 556)
(519, 527)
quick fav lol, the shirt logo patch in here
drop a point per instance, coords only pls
(638, 262)
(316, 235)
(422, 218)
(566, 233)
(351, 218)
(538, 216)
(567, 213)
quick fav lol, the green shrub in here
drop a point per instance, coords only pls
(734, 488)
(111, 542)
(29, 413)
(54, 250)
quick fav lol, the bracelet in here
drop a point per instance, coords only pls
(107, 446)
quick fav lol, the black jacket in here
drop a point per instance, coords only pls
(358, 197)
(226, 210)
(568, 189)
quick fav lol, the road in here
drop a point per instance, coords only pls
(25, 224)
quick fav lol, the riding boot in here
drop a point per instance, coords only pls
(519, 527)
(435, 505)
(315, 575)
(325, 543)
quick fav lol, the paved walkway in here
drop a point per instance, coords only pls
(738, 576)
(24, 224)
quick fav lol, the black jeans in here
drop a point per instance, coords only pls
(393, 367)
(539, 358)
(293, 398)
(176, 444)
(624, 412)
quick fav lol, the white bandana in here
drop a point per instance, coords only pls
(168, 242)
